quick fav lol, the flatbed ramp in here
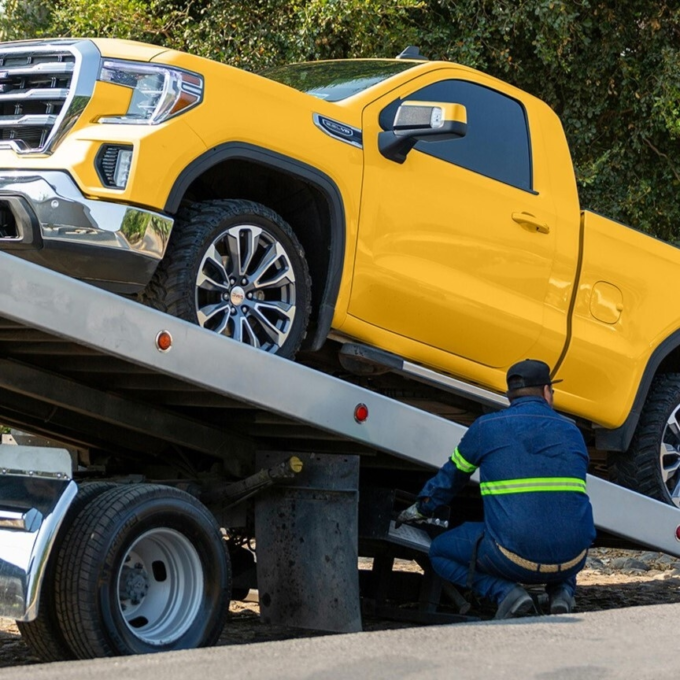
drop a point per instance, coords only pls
(69, 348)
(73, 356)
(104, 373)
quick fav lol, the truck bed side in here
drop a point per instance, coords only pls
(625, 307)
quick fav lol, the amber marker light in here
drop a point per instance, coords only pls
(164, 341)
(361, 413)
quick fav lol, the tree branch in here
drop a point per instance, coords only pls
(662, 155)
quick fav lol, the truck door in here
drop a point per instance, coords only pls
(448, 251)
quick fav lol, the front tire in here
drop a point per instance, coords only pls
(237, 268)
(651, 465)
(143, 570)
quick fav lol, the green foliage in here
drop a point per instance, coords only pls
(610, 68)
(22, 18)
(143, 20)
(262, 33)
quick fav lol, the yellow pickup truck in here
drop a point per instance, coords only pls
(421, 208)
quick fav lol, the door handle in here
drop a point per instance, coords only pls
(530, 222)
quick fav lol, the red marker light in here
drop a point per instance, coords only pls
(361, 413)
(164, 341)
(677, 533)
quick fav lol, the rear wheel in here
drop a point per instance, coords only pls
(237, 268)
(651, 465)
(144, 570)
(43, 635)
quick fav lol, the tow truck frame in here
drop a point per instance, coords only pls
(76, 363)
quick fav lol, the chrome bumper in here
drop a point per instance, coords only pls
(48, 207)
(36, 490)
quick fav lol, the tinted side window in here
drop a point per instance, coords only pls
(497, 141)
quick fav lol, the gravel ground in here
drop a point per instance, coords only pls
(612, 579)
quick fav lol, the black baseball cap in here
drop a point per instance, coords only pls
(529, 373)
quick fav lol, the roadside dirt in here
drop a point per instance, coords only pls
(612, 579)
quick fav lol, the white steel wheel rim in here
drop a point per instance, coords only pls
(245, 288)
(669, 458)
(160, 586)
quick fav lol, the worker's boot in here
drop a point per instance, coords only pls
(516, 603)
(561, 602)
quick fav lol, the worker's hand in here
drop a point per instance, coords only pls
(411, 515)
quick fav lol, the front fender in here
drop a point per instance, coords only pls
(36, 491)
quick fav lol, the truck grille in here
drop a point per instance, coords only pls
(34, 89)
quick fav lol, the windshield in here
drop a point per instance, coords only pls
(336, 80)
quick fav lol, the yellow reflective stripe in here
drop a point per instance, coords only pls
(533, 484)
(538, 480)
(499, 492)
(462, 464)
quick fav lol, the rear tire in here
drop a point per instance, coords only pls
(43, 635)
(651, 465)
(143, 570)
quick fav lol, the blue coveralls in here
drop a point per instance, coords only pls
(532, 465)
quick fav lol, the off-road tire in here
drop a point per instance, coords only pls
(640, 468)
(43, 635)
(173, 288)
(91, 566)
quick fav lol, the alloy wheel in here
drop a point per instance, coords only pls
(245, 288)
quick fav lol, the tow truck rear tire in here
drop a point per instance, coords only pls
(143, 570)
(237, 268)
(43, 635)
(651, 465)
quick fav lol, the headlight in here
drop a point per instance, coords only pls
(158, 92)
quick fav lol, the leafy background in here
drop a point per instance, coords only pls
(610, 68)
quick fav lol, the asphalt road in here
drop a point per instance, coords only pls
(639, 643)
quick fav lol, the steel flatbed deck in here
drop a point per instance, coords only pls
(90, 369)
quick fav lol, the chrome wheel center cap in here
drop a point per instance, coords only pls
(237, 296)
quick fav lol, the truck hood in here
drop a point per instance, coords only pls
(127, 49)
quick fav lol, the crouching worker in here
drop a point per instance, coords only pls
(538, 522)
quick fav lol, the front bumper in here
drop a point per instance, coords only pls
(35, 494)
(45, 218)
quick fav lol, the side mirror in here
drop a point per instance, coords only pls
(421, 121)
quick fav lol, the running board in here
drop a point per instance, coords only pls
(366, 360)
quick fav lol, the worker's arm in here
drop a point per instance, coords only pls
(443, 487)
(456, 472)
(438, 491)
(450, 479)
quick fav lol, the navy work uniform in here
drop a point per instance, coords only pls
(538, 521)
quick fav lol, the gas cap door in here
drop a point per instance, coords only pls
(606, 302)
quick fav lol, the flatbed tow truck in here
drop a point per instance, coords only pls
(221, 432)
